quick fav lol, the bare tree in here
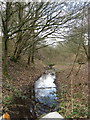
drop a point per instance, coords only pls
(29, 24)
(5, 29)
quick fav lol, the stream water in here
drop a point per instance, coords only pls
(45, 93)
(42, 99)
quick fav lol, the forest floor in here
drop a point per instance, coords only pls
(22, 74)
(73, 90)
(17, 82)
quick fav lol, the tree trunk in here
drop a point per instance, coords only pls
(29, 57)
(5, 36)
(17, 54)
(18, 48)
(5, 54)
(33, 54)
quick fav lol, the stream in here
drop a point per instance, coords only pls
(45, 93)
(41, 99)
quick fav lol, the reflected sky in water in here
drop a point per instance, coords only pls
(45, 89)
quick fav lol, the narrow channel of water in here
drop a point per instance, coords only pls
(45, 93)
(41, 99)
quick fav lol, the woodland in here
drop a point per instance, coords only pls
(35, 35)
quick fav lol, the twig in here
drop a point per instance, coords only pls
(74, 61)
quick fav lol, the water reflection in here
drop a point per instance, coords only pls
(45, 91)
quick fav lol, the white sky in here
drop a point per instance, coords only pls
(45, 0)
(49, 40)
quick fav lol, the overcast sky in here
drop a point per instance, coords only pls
(49, 40)
(46, 0)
